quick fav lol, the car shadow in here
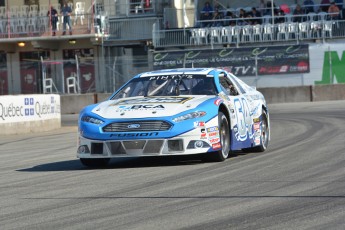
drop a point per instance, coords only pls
(140, 162)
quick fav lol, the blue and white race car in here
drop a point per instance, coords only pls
(175, 112)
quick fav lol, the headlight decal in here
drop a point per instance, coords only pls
(188, 116)
(92, 120)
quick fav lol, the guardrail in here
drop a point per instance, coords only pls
(236, 35)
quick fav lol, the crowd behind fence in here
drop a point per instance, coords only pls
(270, 29)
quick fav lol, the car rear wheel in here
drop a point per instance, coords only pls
(224, 137)
(93, 163)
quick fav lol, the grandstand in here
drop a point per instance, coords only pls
(114, 40)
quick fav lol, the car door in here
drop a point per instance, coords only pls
(240, 113)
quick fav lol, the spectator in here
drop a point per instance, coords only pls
(219, 7)
(217, 18)
(66, 13)
(324, 5)
(333, 11)
(242, 15)
(262, 7)
(285, 8)
(308, 6)
(206, 14)
(297, 14)
(54, 19)
(229, 19)
(256, 16)
(280, 16)
(269, 8)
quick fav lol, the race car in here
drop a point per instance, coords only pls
(170, 112)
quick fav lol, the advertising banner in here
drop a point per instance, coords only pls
(240, 61)
(29, 108)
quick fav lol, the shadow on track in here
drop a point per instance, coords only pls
(140, 162)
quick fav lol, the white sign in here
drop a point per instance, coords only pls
(29, 108)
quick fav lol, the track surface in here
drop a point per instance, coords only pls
(298, 183)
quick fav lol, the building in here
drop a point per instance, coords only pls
(111, 41)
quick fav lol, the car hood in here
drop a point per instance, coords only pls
(147, 107)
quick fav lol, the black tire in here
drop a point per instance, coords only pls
(224, 136)
(94, 163)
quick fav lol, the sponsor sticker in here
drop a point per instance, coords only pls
(199, 124)
(256, 120)
(212, 129)
(203, 134)
(257, 126)
(216, 146)
(213, 134)
(218, 101)
(157, 100)
(214, 140)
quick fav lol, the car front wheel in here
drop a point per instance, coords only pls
(265, 134)
(224, 137)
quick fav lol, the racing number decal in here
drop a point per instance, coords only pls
(244, 123)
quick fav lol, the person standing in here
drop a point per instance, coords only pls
(54, 19)
(66, 13)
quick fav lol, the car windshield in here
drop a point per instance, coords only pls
(169, 85)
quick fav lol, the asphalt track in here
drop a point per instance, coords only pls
(299, 183)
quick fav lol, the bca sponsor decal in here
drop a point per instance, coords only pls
(141, 107)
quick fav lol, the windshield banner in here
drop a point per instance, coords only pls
(240, 61)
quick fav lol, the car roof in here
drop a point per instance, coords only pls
(202, 71)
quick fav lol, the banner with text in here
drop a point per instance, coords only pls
(29, 108)
(240, 61)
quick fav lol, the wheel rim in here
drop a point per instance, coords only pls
(224, 137)
(264, 132)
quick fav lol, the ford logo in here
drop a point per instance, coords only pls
(133, 126)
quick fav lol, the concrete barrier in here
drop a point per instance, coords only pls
(72, 104)
(30, 127)
(328, 92)
(287, 94)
